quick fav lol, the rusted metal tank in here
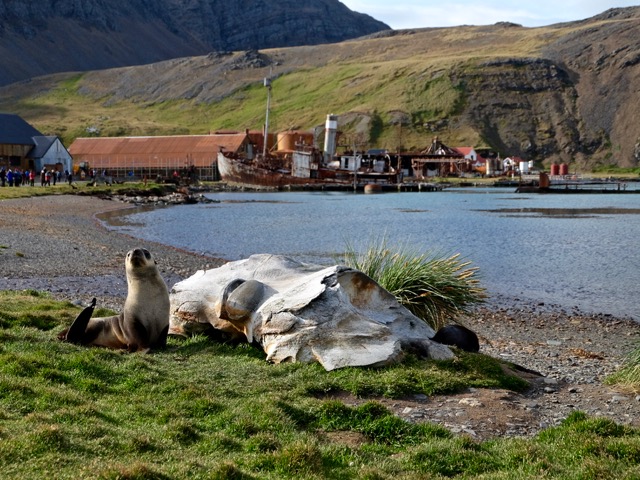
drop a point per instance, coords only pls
(555, 169)
(372, 188)
(287, 141)
(564, 169)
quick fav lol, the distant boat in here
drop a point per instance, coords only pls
(296, 161)
(306, 166)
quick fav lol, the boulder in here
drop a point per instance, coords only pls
(301, 312)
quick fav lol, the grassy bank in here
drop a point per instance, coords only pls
(79, 188)
(205, 410)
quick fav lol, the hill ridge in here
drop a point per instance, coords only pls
(50, 36)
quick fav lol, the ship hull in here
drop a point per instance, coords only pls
(247, 173)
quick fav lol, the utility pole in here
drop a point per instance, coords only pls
(267, 83)
(355, 168)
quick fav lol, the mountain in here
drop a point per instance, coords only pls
(562, 93)
(49, 36)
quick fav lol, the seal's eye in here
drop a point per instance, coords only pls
(146, 254)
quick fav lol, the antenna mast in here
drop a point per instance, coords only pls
(267, 83)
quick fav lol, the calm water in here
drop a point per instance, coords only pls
(567, 250)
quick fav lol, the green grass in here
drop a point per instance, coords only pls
(629, 374)
(614, 170)
(82, 188)
(201, 410)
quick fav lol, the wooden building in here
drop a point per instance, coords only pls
(437, 160)
(23, 147)
(155, 156)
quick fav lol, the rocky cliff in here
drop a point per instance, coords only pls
(601, 56)
(50, 36)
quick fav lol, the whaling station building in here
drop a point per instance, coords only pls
(160, 156)
(157, 156)
(23, 148)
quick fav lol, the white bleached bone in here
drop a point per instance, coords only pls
(302, 312)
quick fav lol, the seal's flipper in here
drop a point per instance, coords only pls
(458, 336)
(162, 340)
(76, 333)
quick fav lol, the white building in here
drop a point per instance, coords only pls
(49, 152)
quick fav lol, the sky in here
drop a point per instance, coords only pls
(401, 14)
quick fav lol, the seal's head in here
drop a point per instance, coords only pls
(139, 260)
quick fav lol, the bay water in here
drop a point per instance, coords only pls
(568, 250)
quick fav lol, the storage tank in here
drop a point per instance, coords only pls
(564, 169)
(555, 169)
(489, 167)
(287, 141)
(524, 167)
(372, 188)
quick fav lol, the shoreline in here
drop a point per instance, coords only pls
(57, 244)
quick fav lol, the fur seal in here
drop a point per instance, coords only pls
(458, 336)
(144, 322)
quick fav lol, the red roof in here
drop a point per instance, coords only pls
(464, 150)
(161, 151)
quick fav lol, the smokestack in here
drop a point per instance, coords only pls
(331, 130)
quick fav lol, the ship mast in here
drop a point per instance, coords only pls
(267, 83)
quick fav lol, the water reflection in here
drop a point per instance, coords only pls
(563, 212)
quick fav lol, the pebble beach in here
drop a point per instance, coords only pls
(56, 244)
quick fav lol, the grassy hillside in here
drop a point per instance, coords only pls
(503, 87)
(358, 75)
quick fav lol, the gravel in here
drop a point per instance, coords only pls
(56, 244)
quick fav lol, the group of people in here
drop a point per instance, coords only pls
(15, 177)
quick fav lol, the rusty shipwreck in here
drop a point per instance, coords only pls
(291, 158)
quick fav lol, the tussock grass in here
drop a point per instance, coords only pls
(629, 375)
(435, 288)
(201, 410)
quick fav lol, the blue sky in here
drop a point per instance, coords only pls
(401, 14)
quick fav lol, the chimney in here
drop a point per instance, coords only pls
(331, 130)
